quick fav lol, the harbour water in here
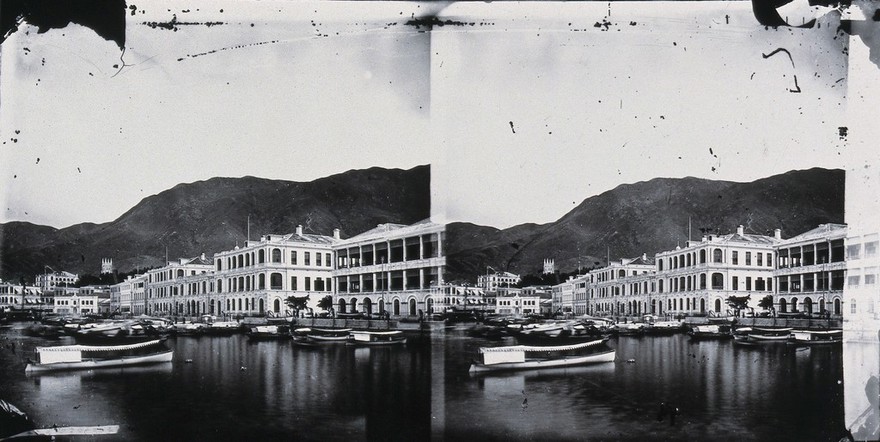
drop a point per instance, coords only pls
(234, 389)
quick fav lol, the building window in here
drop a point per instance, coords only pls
(293, 283)
(276, 255)
(275, 281)
(734, 258)
(262, 281)
(748, 258)
(853, 251)
(293, 257)
(760, 258)
(328, 260)
(717, 256)
(306, 259)
(717, 280)
(261, 256)
(308, 280)
(734, 284)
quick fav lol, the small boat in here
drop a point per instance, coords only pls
(394, 337)
(710, 331)
(187, 329)
(521, 357)
(816, 337)
(222, 328)
(269, 332)
(116, 333)
(753, 336)
(664, 328)
(631, 329)
(78, 357)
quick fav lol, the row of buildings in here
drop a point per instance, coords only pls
(802, 274)
(390, 268)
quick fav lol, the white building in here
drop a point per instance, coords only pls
(166, 285)
(75, 304)
(49, 281)
(491, 282)
(390, 268)
(518, 305)
(811, 270)
(127, 297)
(448, 298)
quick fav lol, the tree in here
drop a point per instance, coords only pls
(738, 303)
(766, 302)
(325, 303)
(297, 303)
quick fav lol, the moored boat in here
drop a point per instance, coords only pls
(816, 337)
(79, 357)
(631, 329)
(710, 331)
(751, 336)
(394, 337)
(269, 332)
(521, 357)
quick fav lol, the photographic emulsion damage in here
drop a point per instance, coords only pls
(248, 220)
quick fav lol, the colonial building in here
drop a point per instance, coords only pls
(49, 281)
(260, 277)
(810, 270)
(390, 268)
(19, 297)
(165, 286)
(518, 305)
(449, 298)
(611, 288)
(699, 278)
(493, 281)
(127, 297)
(75, 304)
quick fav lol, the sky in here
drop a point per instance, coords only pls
(558, 102)
(522, 109)
(281, 90)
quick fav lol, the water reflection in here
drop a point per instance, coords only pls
(777, 392)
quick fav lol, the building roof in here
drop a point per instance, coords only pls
(641, 260)
(383, 231)
(823, 231)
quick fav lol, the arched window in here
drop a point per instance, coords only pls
(717, 306)
(703, 256)
(241, 260)
(717, 256)
(276, 255)
(680, 261)
(808, 305)
(689, 260)
(821, 306)
(659, 265)
(783, 306)
(837, 306)
(396, 307)
(621, 273)
(241, 283)
(262, 306)
(702, 305)
(381, 306)
(717, 281)
(219, 286)
(354, 305)
(262, 281)
(247, 259)
(412, 307)
(261, 256)
(179, 273)
(341, 308)
(794, 302)
(660, 285)
(702, 281)
(275, 281)
(368, 306)
(277, 306)
(681, 284)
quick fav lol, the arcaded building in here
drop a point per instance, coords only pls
(811, 270)
(390, 268)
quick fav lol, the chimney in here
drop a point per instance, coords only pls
(299, 229)
(336, 233)
(704, 239)
(777, 234)
(202, 256)
(739, 230)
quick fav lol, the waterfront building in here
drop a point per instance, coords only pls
(699, 278)
(611, 288)
(518, 305)
(390, 268)
(165, 285)
(261, 276)
(19, 297)
(811, 270)
(562, 297)
(49, 281)
(450, 298)
(127, 297)
(73, 303)
(491, 282)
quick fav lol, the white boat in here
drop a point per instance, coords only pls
(394, 337)
(521, 357)
(79, 357)
(816, 337)
(769, 334)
